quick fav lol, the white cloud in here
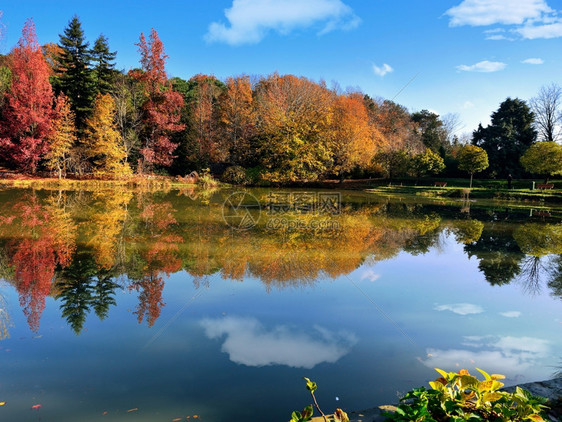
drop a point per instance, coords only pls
(251, 20)
(490, 12)
(511, 314)
(483, 66)
(499, 37)
(531, 19)
(468, 104)
(551, 30)
(382, 70)
(461, 308)
(249, 343)
(370, 275)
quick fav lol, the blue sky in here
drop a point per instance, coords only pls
(464, 56)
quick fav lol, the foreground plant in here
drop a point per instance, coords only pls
(462, 397)
(306, 415)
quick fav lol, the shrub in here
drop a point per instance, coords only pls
(460, 397)
(235, 175)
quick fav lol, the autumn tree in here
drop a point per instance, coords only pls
(52, 51)
(472, 159)
(73, 73)
(62, 136)
(128, 95)
(293, 120)
(354, 139)
(544, 158)
(204, 91)
(104, 144)
(103, 71)
(396, 126)
(162, 107)
(237, 117)
(27, 111)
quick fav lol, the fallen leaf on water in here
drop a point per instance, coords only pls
(36, 406)
(176, 420)
(2, 403)
(133, 410)
(104, 413)
(195, 416)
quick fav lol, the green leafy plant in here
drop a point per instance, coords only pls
(460, 396)
(307, 413)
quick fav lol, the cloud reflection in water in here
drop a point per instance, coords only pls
(249, 343)
(500, 354)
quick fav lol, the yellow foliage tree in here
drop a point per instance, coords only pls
(62, 136)
(104, 144)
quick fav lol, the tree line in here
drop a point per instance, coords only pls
(65, 109)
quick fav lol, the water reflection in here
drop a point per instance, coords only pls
(249, 343)
(82, 247)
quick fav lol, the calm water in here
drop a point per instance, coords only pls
(140, 306)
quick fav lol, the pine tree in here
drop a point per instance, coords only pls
(104, 66)
(75, 75)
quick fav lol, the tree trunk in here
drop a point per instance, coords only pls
(471, 180)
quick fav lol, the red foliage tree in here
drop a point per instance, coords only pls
(162, 108)
(28, 107)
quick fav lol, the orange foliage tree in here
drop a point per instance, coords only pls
(354, 138)
(236, 115)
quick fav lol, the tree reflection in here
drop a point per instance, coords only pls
(539, 241)
(76, 246)
(499, 256)
(84, 286)
(46, 239)
(555, 279)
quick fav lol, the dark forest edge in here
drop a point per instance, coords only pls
(67, 111)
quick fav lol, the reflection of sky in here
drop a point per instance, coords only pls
(243, 347)
(249, 343)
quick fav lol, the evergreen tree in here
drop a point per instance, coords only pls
(507, 138)
(104, 66)
(75, 74)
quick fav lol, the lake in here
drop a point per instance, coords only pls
(120, 305)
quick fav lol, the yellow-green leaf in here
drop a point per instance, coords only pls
(486, 375)
(489, 397)
(443, 373)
